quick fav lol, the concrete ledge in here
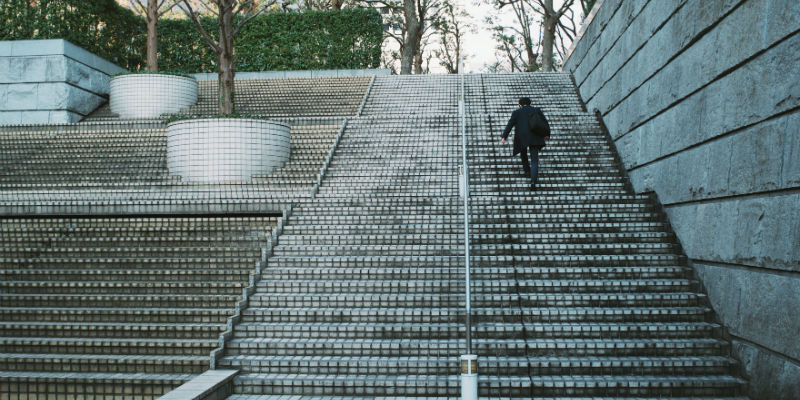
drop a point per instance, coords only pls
(18, 48)
(332, 73)
(210, 385)
(50, 82)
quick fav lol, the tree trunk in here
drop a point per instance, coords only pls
(418, 63)
(225, 56)
(336, 4)
(548, 35)
(531, 55)
(152, 35)
(412, 37)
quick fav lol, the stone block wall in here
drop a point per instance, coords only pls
(702, 99)
(50, 82)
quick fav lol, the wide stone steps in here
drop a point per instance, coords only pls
(130, 364)
(476, 273)
(481, 329)
(484, 261)
(400, 397)
(109, 275)
(88, 385)
(513, 386)
(69, 237)
(439, 315)
(91, 263)
(455, 248)
(177, 252)
(639, 347)
(476, 209)
(57, 241)
(121, 346)
(511, 215)
(489, 232)
(489, 365)
(359, 385)
(121, 287)
(169, 330)
(119, 315)
(367, 285)
(119, 300)
(497, 300)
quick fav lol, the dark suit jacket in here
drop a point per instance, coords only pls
(522, 133)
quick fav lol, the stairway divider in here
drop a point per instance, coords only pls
(328, 159)
(366, 95)
(248, 291)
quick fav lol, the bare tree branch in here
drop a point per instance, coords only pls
(142, 6)
(168, 9)
(195, 16)
(247, 18)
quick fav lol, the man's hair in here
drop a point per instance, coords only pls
(524, 101)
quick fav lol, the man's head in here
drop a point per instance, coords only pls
(524, 101)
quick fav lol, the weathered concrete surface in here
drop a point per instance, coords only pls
(763, 157)
(743, 300)
(50, 81)
(771, 376)
(702, 99)
(753, 231)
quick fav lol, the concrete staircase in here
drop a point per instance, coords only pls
(597, 295)
(132, 154)
(117, 307)
(580, 288)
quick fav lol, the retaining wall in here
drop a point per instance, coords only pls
(702, 99)
(50, 82)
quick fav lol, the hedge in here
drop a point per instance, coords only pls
(340, 39)
(99, 26)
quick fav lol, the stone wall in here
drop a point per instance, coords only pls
(702, 98)
(50, 82)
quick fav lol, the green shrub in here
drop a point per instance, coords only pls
(340, 39)
(99, 26)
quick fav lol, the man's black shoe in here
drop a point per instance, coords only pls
(533, 186)
(526, 173)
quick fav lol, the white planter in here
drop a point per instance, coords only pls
(220, 150)
(150, 95)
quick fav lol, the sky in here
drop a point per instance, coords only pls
(480, 44)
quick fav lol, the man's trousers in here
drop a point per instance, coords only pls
(531, 167)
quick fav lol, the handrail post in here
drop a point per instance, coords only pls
(469, 361)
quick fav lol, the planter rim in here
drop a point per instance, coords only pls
(135, 75)
(193, 120)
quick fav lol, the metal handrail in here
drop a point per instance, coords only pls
(465, 177)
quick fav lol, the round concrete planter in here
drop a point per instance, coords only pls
(220, 150)
(151, 95)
